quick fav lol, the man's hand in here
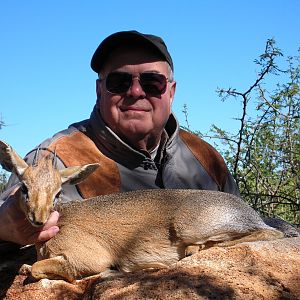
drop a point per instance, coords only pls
(50, 229)
(14, 226)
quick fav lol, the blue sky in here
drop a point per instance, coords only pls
(45, 78)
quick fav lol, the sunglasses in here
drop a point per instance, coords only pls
(153, 84)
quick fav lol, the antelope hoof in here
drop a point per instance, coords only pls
(25, 270)
(192, 249)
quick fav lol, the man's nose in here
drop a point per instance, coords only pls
(136, 90)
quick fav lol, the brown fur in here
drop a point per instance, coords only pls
(145, 229)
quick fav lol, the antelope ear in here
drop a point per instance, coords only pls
(74, 175)
(11, 161)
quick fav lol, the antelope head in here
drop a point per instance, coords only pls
(41, 183)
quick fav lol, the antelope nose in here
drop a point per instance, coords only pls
(34, 222)
(38, 224)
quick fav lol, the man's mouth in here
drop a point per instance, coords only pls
(132, 108)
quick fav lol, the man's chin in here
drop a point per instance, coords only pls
(134, 130)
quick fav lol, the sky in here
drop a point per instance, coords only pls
(46, 82)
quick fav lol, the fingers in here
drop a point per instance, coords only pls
(52, 220)
(50, 229)
(47, 234)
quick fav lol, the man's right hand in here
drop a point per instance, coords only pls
(14, 226)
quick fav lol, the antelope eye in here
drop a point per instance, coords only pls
(24, 189)
(58, 194)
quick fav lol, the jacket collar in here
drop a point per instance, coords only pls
(115, 148)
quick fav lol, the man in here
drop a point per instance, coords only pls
(132, 133)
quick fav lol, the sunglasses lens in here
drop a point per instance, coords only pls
(118, 82)
(153, 83)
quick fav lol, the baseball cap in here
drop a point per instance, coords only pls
(128, 38)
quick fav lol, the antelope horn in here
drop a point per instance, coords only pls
(55, 159)
(36, 156)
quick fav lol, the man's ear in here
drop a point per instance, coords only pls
(172, 91)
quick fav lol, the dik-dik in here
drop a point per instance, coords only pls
(126, 231)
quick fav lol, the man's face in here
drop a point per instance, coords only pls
(134, 114)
